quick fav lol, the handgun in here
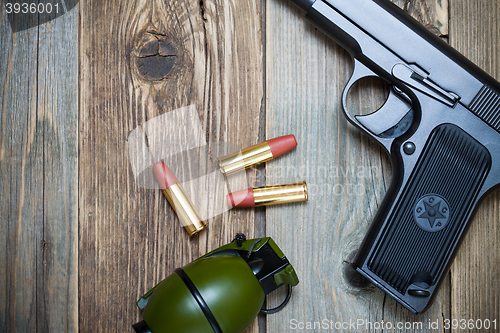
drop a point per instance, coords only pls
(440, 126)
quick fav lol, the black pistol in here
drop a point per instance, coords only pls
(441, 128)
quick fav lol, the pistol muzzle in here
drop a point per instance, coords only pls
(304, 4)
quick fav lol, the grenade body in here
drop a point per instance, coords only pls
(219, 292)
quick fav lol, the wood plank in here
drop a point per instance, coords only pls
(130, 238)
(57, 100)
(21, 164)
(475, 31)
(347, 174)
(38, 163)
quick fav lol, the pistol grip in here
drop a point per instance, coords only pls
(413, 238)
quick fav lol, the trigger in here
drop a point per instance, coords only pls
(392, 119)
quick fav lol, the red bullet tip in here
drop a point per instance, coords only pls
(282, 144)
(164, 175)
(242, 198)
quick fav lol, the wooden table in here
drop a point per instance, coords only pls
(80, 241)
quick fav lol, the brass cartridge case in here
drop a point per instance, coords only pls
(245, 158)
(280, 194)
(185, 210)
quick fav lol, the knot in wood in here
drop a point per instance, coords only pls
(154, 56)
(351, 276)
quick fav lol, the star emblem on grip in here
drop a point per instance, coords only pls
(431, 212)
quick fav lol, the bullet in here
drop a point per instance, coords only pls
(269, 195)
(178, 199)
(258, 153)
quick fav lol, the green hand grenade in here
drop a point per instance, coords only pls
(221, 292)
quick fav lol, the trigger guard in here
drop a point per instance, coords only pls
(395, 114)
(360, 72)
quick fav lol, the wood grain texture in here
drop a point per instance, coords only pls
(21, 163)
(130, 238)
(253, 69)
(58, 92)
(39, 176)
(434, 15)
(475, 32)
(347, 173)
